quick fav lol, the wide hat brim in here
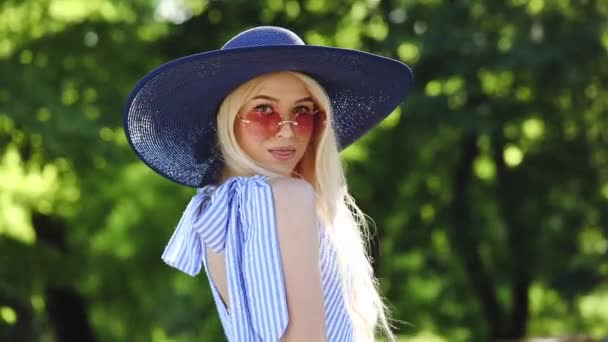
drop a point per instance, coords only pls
(170, 115)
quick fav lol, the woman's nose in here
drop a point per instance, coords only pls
(286, 129)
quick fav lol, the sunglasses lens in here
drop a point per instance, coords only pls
(268, 122)
(305, 123)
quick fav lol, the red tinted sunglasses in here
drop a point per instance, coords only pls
(302, 124)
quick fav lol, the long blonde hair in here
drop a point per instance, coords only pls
(345, 223)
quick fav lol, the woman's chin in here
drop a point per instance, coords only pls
(283, 170)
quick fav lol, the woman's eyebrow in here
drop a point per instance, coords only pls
(306, 99)
(265, 97)
(270, 98)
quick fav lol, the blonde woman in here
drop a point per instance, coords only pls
(257, 128)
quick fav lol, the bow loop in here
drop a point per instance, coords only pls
(206, 219)
(184, 251)
(212, 224)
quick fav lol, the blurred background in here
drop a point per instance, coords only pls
(488, 186)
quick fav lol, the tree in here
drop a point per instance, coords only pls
(487, 185)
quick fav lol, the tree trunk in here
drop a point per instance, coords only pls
(66, 309)
(519, 240)
(465, 241)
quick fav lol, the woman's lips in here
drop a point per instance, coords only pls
(282, 154)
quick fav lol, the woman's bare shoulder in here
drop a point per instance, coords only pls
(299, 249)
(285, 187)
(293, 198)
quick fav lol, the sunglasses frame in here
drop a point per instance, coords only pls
(282, 122)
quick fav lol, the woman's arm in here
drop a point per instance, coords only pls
(299, 245)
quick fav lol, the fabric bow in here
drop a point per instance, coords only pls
(206, 217)
(222, 219)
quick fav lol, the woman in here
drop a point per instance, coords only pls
(257, 127)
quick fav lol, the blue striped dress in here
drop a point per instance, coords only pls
(238, 218)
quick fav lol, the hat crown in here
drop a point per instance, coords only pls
(263, 36)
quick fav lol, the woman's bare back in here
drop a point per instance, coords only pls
(217, 268)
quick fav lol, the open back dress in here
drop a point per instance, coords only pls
(238, 218)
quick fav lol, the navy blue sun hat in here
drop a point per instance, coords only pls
(170, 115)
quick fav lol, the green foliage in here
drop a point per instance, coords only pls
(488, 186)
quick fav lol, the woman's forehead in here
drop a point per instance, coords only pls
(281, 86)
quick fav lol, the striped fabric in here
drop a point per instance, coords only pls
(238, 218)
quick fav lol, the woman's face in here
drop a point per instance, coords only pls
(277, 148)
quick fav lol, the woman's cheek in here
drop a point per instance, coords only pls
(257, 133)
